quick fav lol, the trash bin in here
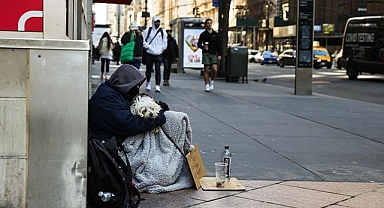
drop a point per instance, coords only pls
(237, 63)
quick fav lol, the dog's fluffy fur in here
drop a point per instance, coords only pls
(145, 106)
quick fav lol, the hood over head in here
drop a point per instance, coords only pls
(126, 78)
(155, 18)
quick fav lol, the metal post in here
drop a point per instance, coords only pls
(146, 10)
(118, 14)
(267, 25)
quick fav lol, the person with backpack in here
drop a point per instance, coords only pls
(110, 122)
(137, 52)
(155, 43)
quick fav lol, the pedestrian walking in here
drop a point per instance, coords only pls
(171, 55)
(155, 42)
(138, 38)
(116, 52)
(105, 49)
(209, 42)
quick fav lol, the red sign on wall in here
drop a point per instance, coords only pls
(21, 15)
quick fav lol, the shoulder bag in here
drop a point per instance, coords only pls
(126, 55)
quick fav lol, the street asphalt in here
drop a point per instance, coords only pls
(288, 150)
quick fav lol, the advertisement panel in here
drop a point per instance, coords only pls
(193, 56)
(21, 15)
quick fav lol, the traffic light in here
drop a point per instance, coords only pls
(195, 11)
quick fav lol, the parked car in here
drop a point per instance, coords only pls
(338, 59)
(287, 58)
(321, 58)
(251, 55)
(268, 58)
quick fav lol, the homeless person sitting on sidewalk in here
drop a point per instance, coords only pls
(157, 165)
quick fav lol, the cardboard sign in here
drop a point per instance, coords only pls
(21, 15)
(209, 184)
(196, 166)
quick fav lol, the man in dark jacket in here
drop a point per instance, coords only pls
(138, 50)
(109, 108)
(209, 42)
(170, 55)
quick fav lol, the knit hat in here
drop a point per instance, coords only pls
(126, 77)
(133, 26)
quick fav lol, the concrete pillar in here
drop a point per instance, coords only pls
(43, 127)
(44, 90)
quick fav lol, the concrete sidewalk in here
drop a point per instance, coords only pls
(280, 144)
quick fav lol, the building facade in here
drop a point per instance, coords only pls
(330, 18)
(257, 24)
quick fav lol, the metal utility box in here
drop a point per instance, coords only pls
(237, 63)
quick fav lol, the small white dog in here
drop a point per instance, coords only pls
(145, 106)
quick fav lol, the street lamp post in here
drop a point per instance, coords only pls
(244, 14)
(267, 26)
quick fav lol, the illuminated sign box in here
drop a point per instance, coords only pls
(21, 15)
(328, 29)
(316, 28)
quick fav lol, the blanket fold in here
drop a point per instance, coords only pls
(157, 165)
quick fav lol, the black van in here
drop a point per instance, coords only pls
(363, 46)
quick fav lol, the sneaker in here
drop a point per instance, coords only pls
(207, 89)
(148, 86)
(211, 85)
(157, 88)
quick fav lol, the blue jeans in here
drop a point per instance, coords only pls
(136, 63)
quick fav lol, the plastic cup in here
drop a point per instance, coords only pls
(221, 171)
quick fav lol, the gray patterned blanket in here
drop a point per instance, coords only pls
(157, 165)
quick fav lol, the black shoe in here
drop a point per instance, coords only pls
(166, 83)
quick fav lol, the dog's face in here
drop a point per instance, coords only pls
(145, 106)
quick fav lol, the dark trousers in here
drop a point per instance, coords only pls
(105, 62)
(167, 68)
(157, 60)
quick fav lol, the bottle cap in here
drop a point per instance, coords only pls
(226, 147)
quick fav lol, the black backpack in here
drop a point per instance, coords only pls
(109, 176)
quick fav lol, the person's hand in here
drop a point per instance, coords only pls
(145, 44)
(163, 105)
(219, 58)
